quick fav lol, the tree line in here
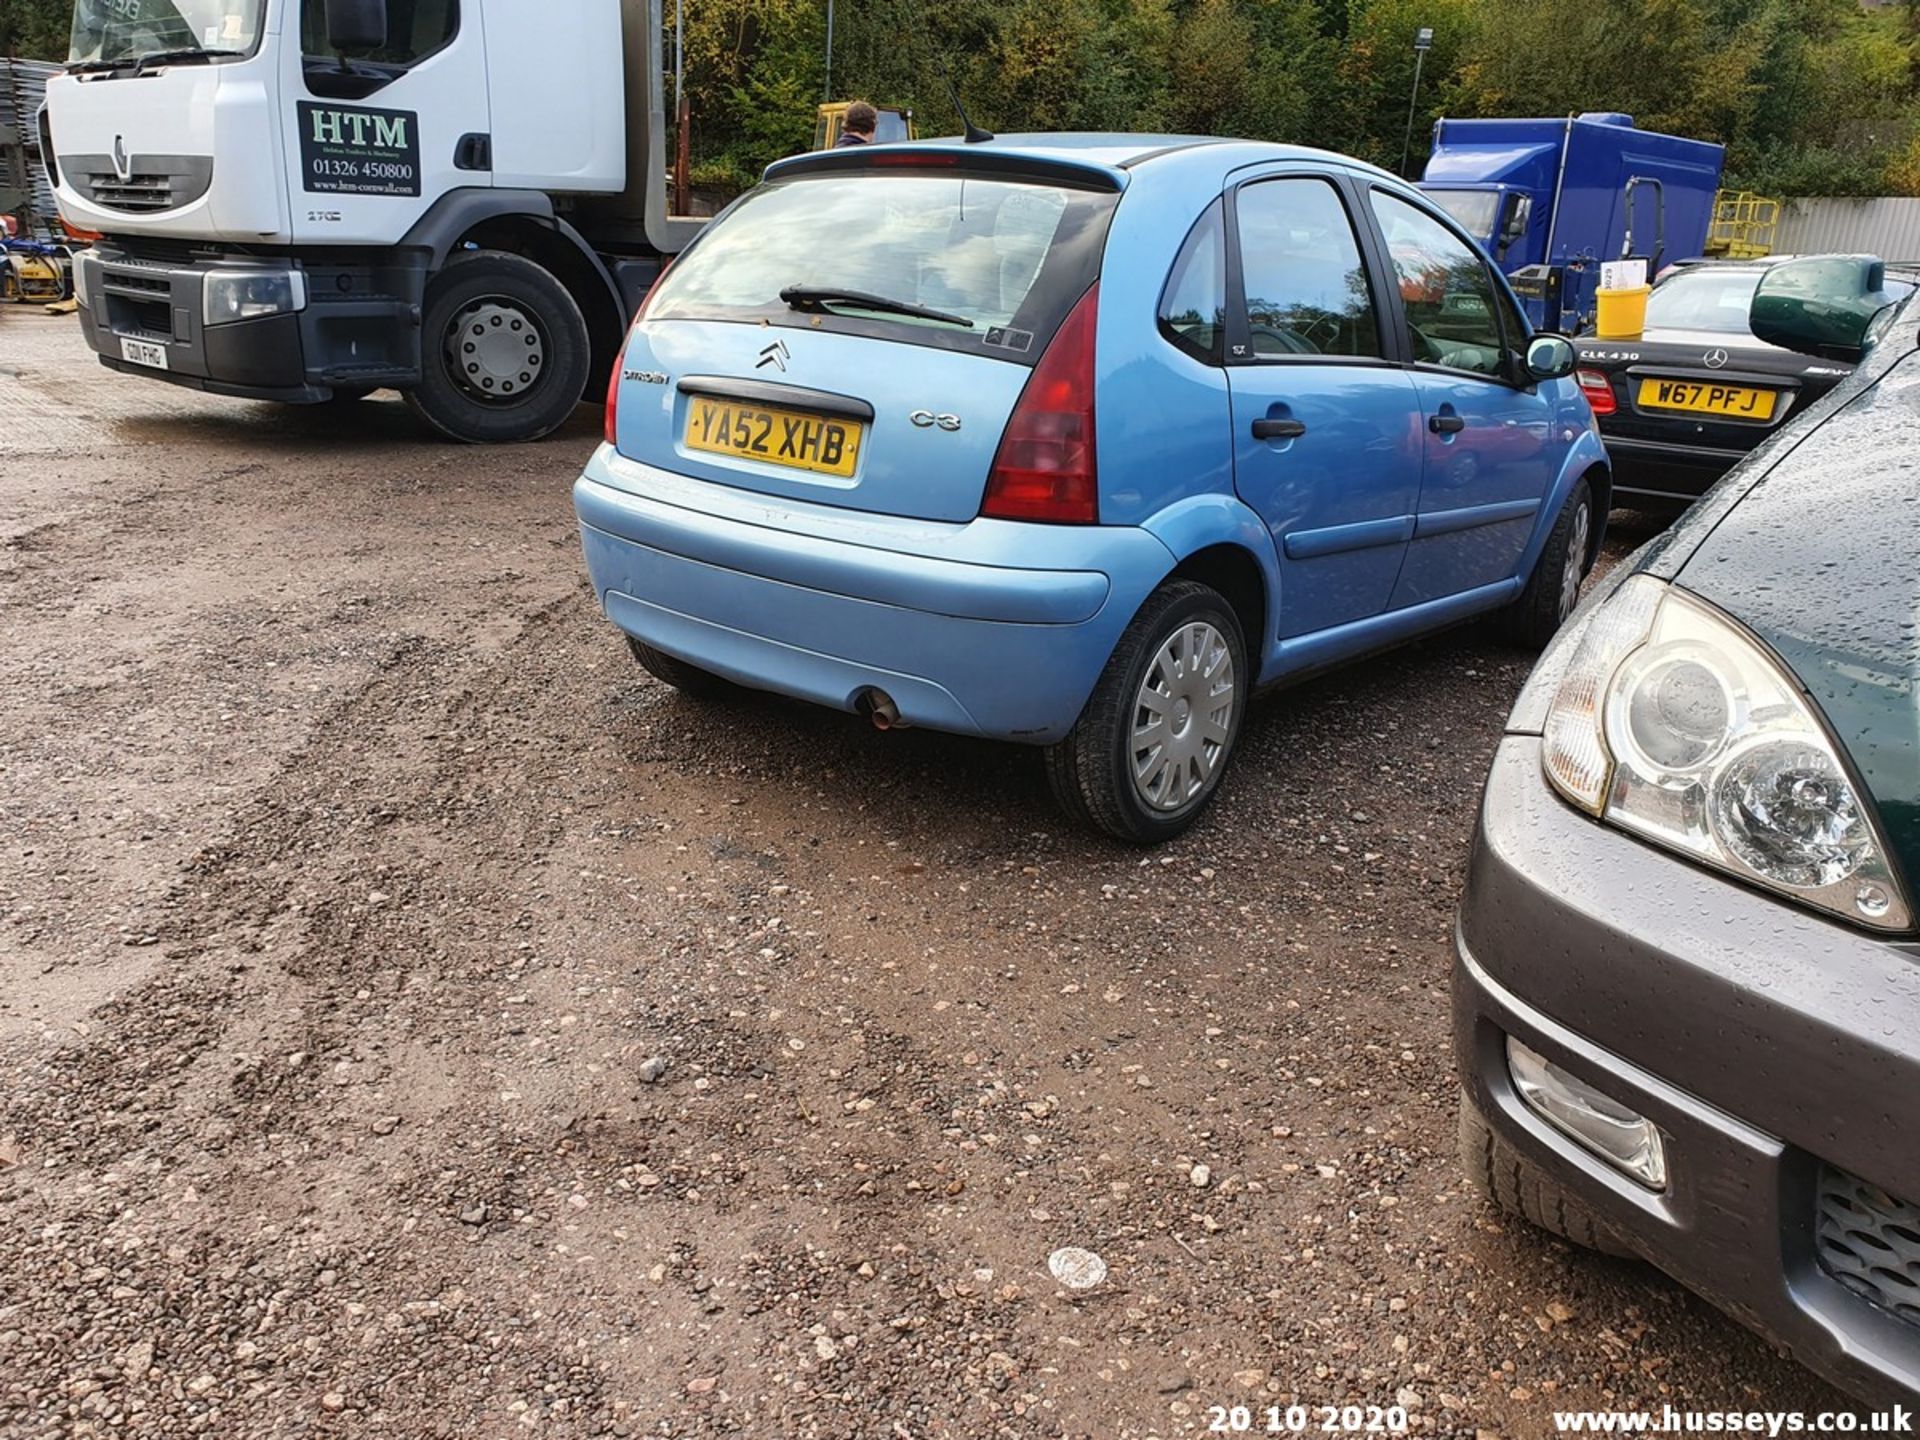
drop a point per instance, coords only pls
(1810, 97)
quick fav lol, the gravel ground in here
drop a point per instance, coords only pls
(417, 1022)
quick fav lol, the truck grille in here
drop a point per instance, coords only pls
(138, 193)
(1870, 1242)
(152, 182)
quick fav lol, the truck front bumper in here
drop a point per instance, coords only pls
(358, 331)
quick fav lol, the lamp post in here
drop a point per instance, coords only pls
(1422, 42)
(829, 94)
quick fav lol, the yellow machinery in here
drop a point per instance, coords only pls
(1743, 225)
(34, 274)
(895, 124)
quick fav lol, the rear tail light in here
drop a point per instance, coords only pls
(1598, 389)
(620, 360)
(1045, 468)
(613, 398)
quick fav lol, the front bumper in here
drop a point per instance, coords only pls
(359, 330)
(1768, 1045)
(989, 628)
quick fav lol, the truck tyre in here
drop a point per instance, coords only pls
(1153, 743)
(1553, 589)
(1517, 1186)
(688, 679)
(504, 352)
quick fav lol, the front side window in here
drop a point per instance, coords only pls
(1193, 311)
(977, 263)
(1306, 289)
(415, 29)
(107, 32)
(1444, 288)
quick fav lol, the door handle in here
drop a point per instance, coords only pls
(1279, 429)
(1446, 424)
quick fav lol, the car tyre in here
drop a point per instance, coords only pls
(504, 351)
(1553, 590)
(689, 680)
(1184, 646)
(1519, 1187)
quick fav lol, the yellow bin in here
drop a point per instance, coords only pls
(1620, 314)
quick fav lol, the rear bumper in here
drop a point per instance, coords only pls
(1659, 470)
(986, 628)
(358, 331)
(1766, 1044)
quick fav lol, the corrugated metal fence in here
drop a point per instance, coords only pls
(1869, 225)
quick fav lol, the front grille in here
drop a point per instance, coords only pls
(1870, 1242)
(139, 194)
(134, 280)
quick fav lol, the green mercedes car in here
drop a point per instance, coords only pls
(1687, 983)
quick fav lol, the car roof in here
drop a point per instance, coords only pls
(1117, 155)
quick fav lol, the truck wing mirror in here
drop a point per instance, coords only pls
(1516, 211)
(1825, 305)
(356, 25)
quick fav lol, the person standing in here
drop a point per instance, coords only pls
(857, 129)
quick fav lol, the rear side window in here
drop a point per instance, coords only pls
(1306, 289)
(1193, 311)
(998, 261)
(1444, 288)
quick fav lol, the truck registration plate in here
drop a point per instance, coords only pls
(144, 352)
(789, 438)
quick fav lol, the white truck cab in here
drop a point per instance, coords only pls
(306, 200)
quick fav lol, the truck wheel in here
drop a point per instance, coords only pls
(689, 680)
(1553, 589)
(1148, 752)
(1517, 1186)
(504, 350)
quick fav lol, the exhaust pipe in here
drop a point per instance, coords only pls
(878, 707)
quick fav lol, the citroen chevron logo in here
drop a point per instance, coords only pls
(775, 355)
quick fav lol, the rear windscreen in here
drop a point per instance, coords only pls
(997, 263)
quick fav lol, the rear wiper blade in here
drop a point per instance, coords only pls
(803, 297)
(175, 57)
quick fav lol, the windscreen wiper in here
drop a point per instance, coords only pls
(815, 297)
(175, 57)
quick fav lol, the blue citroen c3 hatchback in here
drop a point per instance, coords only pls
(1078, 441)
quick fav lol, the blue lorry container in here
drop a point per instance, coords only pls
(1551, 199)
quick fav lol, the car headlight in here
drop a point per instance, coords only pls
(230, 295)
(1674, 723)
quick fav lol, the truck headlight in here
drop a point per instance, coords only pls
(1674, 723)
(229, 295)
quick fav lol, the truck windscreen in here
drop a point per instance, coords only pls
(113, 32)
(1474, 209)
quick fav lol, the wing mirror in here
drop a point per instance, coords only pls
(1826, 305)
(356, 25)
(1550, 357)
(1516, 210)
